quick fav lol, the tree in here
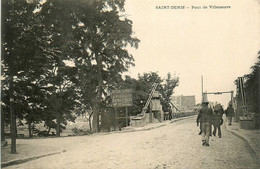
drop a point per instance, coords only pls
(62, 97)
(252, 82)
(102, 34)
(252, 88)
(167, 90)
(62, 79)
(142, 88)
(39, 37)
(19, 48)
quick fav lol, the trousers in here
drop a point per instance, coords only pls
(205, 132)
(229, 119)
(217, 128)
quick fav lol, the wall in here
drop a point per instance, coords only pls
(184, 103)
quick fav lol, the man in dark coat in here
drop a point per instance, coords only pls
(217, 119)
(205, 115)
(230, 113)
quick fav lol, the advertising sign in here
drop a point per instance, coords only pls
(122, 98)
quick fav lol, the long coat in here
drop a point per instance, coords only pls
(217, 119)
(205, 115)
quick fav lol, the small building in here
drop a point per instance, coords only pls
(184, 103)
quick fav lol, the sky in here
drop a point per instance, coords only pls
(218, 44)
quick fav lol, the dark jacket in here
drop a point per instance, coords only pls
(230, 111)
(205, 115)
(217, 118)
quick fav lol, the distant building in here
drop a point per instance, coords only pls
(184, 103)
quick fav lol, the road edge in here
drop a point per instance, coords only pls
(23, 160)
(247, 143)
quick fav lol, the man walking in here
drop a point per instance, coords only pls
(230, 113)
(205, 115)
(217, 119)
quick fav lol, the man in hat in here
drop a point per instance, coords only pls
(205, 115)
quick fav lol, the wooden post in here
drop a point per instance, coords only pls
(2, 126)
(115, 122)
(150, 114)
(126, 116)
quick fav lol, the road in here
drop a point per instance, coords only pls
(176, 145)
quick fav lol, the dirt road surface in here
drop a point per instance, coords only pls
(176, 145)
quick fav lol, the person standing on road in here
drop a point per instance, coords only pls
(166, 115)
(230, 113)
(217, 119)
(170, 112)
(198, 121)
(205, 113)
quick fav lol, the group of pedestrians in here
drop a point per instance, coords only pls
(208, 117)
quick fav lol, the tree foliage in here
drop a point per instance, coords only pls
(60, 55)
(23, 64)
(142, 87)
(252, 87)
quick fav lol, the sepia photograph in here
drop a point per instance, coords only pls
(130, 84)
